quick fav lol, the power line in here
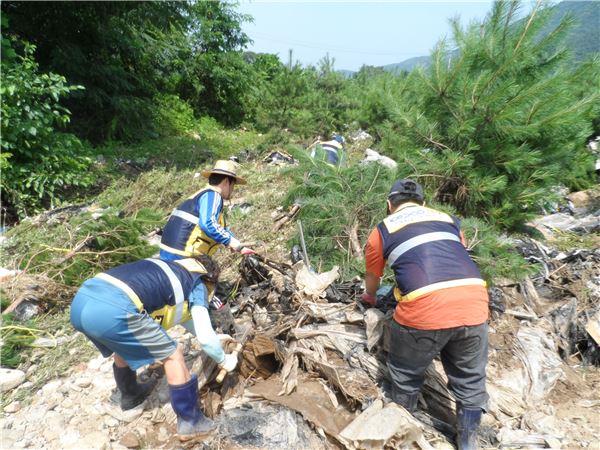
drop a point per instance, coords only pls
(320, 46)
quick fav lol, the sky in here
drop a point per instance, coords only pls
(354, 32)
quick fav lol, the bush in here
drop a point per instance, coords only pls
(172, 116)
(39, 163)
(335, 204)
(336, 201)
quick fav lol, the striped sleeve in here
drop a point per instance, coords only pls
(210, 205)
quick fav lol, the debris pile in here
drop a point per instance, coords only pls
(312, 370)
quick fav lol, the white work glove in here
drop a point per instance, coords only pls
(235, 245)
(224, 338)
(229, 362)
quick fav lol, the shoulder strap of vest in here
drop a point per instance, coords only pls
(191, 265)
(202, 191)
(186, 215)
(175, 284)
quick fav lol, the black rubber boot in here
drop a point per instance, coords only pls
(132, 392)
(191, 422)
(408, 401)
(467, 425)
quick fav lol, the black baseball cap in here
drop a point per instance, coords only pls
(408, 188)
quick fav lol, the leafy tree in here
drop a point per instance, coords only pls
(494, 126)
(38, 162)
(115, 49)
(222, 86)
(127, 54)
(216, 27)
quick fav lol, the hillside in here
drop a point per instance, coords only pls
(582, 39)
(340, 362)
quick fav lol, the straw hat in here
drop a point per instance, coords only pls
(225, 167)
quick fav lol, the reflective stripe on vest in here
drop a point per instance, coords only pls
(418, 240)
(175, 284)
(437, 286)
(186, 216)
(118, 283)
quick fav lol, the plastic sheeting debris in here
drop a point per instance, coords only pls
(378, 426)
(539, 354)
(315, 284)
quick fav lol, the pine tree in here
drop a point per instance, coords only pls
(494, 123)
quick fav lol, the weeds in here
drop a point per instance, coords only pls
(15, 337)
(566, 241)
(73, 251)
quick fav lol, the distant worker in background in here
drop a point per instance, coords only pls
(329, 151)
(442, 304)
(126, 310)
(197, 226)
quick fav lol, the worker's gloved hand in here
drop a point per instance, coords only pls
(229, 362)
(245, 251)
(235, 245)
(369, 299)
(224, 338)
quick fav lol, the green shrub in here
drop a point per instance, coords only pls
(336, 200)
(39, 163)
(333, 202)
(172, 116)
(493, 253)
(15, 337)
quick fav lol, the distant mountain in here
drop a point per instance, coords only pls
(346, 73)
(409, 64)
(583, 38)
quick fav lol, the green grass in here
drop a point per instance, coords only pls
(209, 141)
(16, 337)
(566, 241)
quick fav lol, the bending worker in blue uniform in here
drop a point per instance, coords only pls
(332, 151)
(126, 310)
(197, 226)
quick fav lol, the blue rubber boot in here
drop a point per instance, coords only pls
(191, 422)
(467, 425)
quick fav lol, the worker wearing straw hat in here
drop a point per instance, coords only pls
(197, 226)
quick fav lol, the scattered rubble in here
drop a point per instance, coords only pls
(279, 157)
(31, 295)
(313, 375)
(360, 136)
(373, 156)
